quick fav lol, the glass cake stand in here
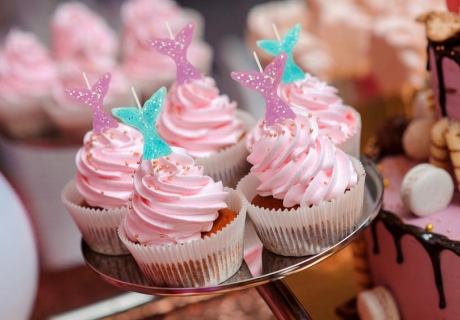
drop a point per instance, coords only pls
(261, 268)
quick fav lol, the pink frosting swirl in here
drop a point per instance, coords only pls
(172, 202)
(299, 165)
(197, 118)
(105, 165)
(79, 34)
(311, 95)
(26, 69)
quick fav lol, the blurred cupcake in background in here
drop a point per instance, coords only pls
(27, 75)
(146, 68)
(82, 41)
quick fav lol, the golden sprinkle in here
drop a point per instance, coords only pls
(386, 183)
(136, 154)
(379, 167)
(302, 125)
(199, 167)
(151, 173)
(168, 158)
(283, 131)
(177, 163)
(162, 235)
(136, 236)
(156, 188)
(250, 147)
(429, 227)
(102, 192)
(184, 167)
(188, 167)
(170, 171)
(130, 207)
(126, 163)
(292, 124)
(169, 178)
(283, 123)
(138, 162)
(149, 185)
(130, 199)
(96, 168)
(325, 183)
(132, 176)
(269, 148)
(310, 115)
(311, 130)
(125, 132)
(293, 134)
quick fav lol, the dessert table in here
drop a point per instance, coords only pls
(260, 269)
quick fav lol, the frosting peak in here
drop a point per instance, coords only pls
(105, 165)
(296, 163)
(197, 118)
(173, 202)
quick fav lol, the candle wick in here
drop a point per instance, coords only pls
(276, 32)
(258, 62)
(136, 98)
(169, 30)
(86, 80)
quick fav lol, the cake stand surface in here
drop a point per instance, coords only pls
(260, 268)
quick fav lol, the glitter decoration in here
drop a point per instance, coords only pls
(266, 84)
(292, 71)
(144, 119)
(177, 49)
(93, 98)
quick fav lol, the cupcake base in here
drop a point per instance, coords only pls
(97, 226)
(306, 231)
(199, 263)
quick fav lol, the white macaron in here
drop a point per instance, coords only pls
(377, 304)
(426, 189)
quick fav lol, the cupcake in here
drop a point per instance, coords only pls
(147, 69)
(306, 94)
(27, 74)
(97, 197)
(92, 49)
(305, 194)
(182, 228)
(200, 119)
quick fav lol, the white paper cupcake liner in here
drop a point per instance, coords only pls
(306, 231)
(97, 226)
(203, 262)
(229, 165)
(352, 144)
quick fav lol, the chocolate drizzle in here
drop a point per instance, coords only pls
(433, 243)
(442, 50)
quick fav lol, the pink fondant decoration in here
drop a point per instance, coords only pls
(93, 98)
(453, 6)
(266, 84)
(177, 49)
(451, 73)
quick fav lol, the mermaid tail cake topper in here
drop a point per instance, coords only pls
(266, 83)
(292, 72)
(177, 49)
(144, 119)
(93, 97)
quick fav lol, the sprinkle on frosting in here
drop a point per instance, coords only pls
(302, 168)
(145, 120)
(292, 71)
(181, 206)
(266, 84)
(177, 49)
(93, 98)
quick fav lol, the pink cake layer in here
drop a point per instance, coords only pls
(445, 222)
(420, 268)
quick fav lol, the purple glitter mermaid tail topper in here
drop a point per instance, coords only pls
(177, 49)
(93, 98)
(266, 84)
